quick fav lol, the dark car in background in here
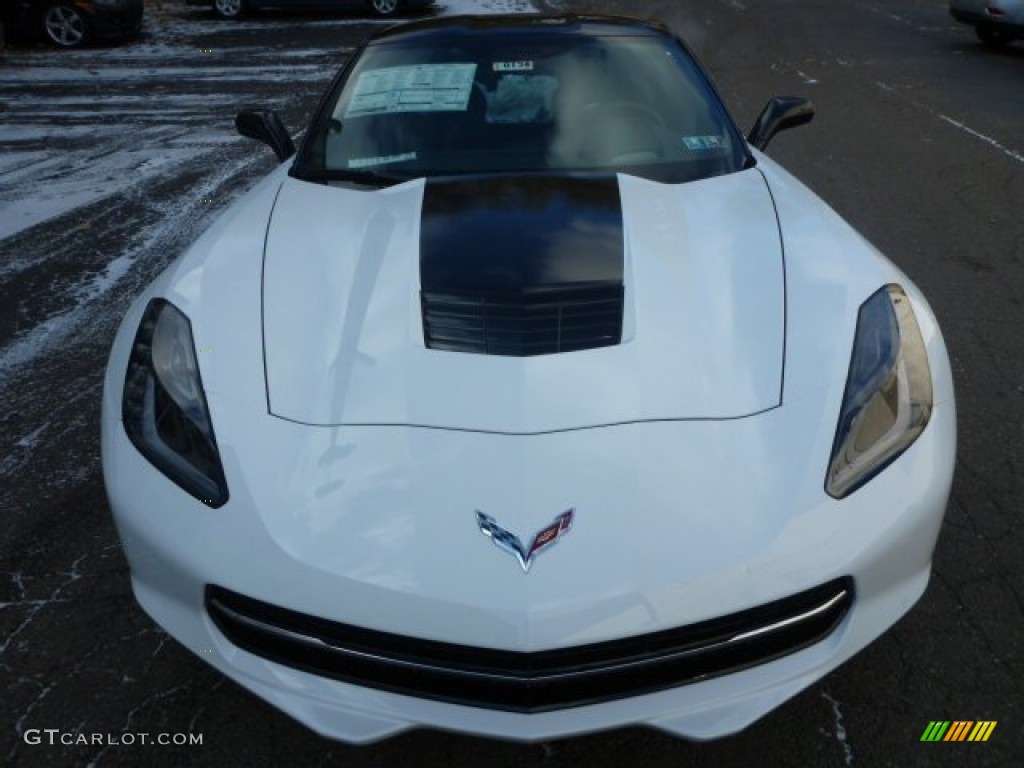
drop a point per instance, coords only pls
(996, 22)
(72, 23)
(234, 9)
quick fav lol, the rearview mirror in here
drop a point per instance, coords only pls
(266, 126)
(780, 114)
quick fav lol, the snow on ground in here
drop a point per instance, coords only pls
(453, 7)
(190, 71)
(176, 214)
(59, 188)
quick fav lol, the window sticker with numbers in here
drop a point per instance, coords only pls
(421, 88)
(512, 66)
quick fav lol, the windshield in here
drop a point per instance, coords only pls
(523, 104)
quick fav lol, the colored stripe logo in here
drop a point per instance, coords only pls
(958, 730)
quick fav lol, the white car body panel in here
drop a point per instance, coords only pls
(676, 521)
(344, 335)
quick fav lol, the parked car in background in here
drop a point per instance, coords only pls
(996, 22)
(72, 23)
(235, 9)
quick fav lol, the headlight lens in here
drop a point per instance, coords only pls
(888, 397)
(164, 409)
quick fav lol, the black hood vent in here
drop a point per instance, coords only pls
(523, 325)
(521, 265)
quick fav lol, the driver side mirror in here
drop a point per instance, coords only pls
(780, 114)
(266, 126)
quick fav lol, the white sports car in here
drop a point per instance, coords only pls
(524, 285)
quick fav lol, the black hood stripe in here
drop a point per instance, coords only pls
(518, 235)
(521, 265)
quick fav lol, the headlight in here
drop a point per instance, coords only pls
(164, 409)
(888, 397)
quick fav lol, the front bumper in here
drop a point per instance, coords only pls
(882, 537)
(541, 681)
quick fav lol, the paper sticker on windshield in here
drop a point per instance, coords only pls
(370, 162)
(703, 142)
(422, 88)
(522, 99)
(513, 66)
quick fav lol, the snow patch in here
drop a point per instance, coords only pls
(473, 7)
(179, 211)
(30, 440)
(25, 131)
(840, 732)
(12, 462)
(57, 189)
(197, 73)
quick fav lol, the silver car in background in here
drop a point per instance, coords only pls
(996, 22)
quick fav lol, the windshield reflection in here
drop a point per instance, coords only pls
(521, 104)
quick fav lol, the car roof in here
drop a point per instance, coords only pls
(460, 27)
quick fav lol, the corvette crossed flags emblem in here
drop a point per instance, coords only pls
(510, 543)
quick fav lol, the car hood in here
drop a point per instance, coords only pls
(703, 318)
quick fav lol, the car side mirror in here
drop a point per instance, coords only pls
(266, 126)
(780, 114)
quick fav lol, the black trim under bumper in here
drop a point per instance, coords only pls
(531, 682)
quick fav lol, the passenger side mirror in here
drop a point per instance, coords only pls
(780, 114)
(266, 126)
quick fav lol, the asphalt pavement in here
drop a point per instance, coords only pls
(112, 160)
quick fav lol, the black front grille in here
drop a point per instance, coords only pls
(538, 681)
(523, 325)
